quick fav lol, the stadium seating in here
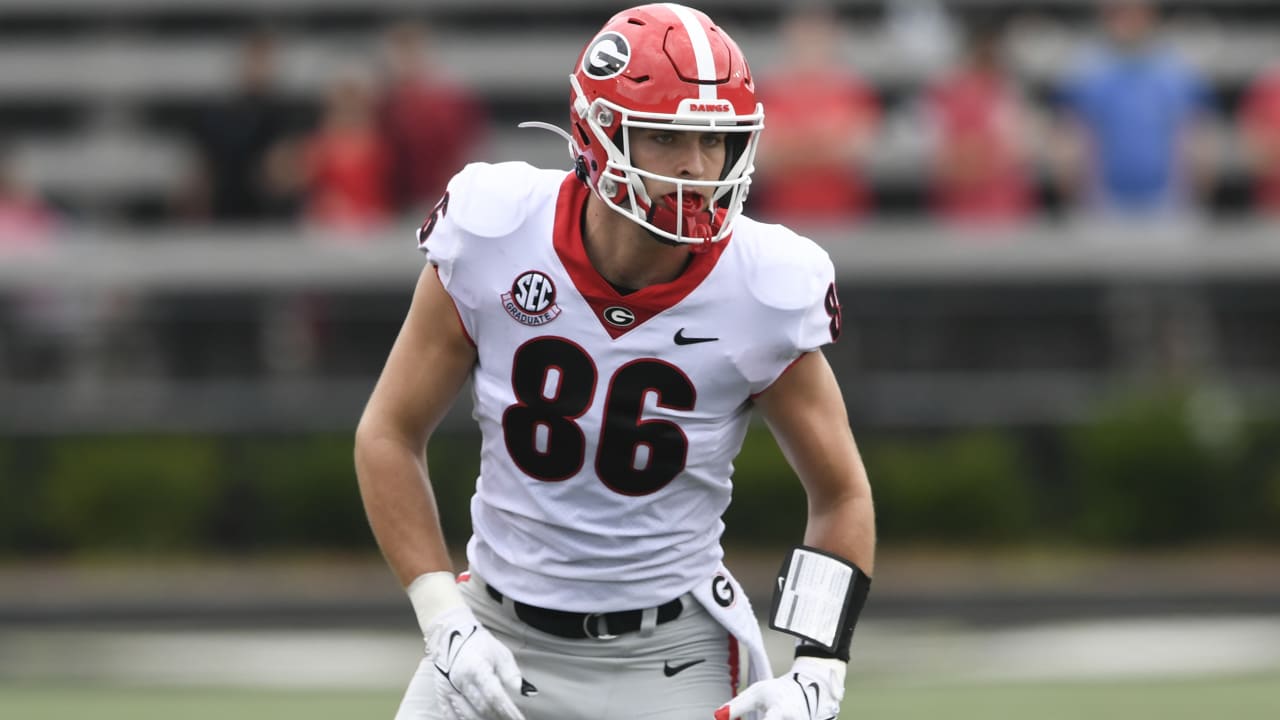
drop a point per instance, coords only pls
(97, 99)
(85, 82)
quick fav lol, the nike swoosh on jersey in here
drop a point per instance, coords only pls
(682, 340)
(669, 670)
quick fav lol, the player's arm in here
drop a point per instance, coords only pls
(806, 414)
(427, 367)
(805, 411)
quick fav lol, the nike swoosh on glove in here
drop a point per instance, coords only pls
(477, 676)
(812, 690)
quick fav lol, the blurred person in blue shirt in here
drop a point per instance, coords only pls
(1135, 142)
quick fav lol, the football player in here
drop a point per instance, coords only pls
(620, 323)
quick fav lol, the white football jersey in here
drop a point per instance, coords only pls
(610, 422)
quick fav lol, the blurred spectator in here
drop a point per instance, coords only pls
(922, 32)
(205, 334)
(345, 163)
(25, 218)
(343, 169)
(1260, 125)
(1136, 142)
(821, 119)
(234, 141)
(32, 323)
(433, 126)
(981, 128)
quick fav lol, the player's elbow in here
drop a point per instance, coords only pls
(366, 441)
(379, 441)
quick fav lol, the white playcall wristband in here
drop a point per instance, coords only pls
(818, 599)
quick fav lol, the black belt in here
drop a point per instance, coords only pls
(580, 626)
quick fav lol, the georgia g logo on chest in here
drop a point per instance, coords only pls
(532, 299)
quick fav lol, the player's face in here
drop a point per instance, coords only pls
(687, 155)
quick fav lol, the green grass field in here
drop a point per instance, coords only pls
(1237, 698)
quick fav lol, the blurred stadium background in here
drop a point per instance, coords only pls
(1065, 390)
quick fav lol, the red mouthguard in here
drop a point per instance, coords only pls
(697, 220)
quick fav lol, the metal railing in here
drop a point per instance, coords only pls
(1192, 300)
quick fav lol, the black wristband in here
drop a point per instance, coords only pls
(804, 648)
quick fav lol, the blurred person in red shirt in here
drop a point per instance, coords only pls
(344, 170)
(26, 220)
(432, 124)
(346, 162)
(35, 323)
(1260, 127)
(822, 118)
(981, 133)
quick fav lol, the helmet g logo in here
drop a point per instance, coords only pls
(607, 57)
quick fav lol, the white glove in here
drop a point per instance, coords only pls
(811, 690)
(478, 676)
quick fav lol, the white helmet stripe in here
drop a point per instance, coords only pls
(701, 50)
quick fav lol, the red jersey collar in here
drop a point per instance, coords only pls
(636, 307)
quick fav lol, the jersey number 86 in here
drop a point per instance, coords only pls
(555, 381)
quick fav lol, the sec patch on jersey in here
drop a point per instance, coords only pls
(532, 299)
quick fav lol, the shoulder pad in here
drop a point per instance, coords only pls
(492, 200)
(787, 271)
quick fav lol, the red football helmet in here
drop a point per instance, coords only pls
(664, 66)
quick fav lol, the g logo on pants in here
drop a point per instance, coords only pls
(722, 590)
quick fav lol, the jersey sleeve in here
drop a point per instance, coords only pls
(820, 319)
(800, 310)
(448, 248)
(483, 203)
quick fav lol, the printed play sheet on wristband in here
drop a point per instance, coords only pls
(813, 596)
